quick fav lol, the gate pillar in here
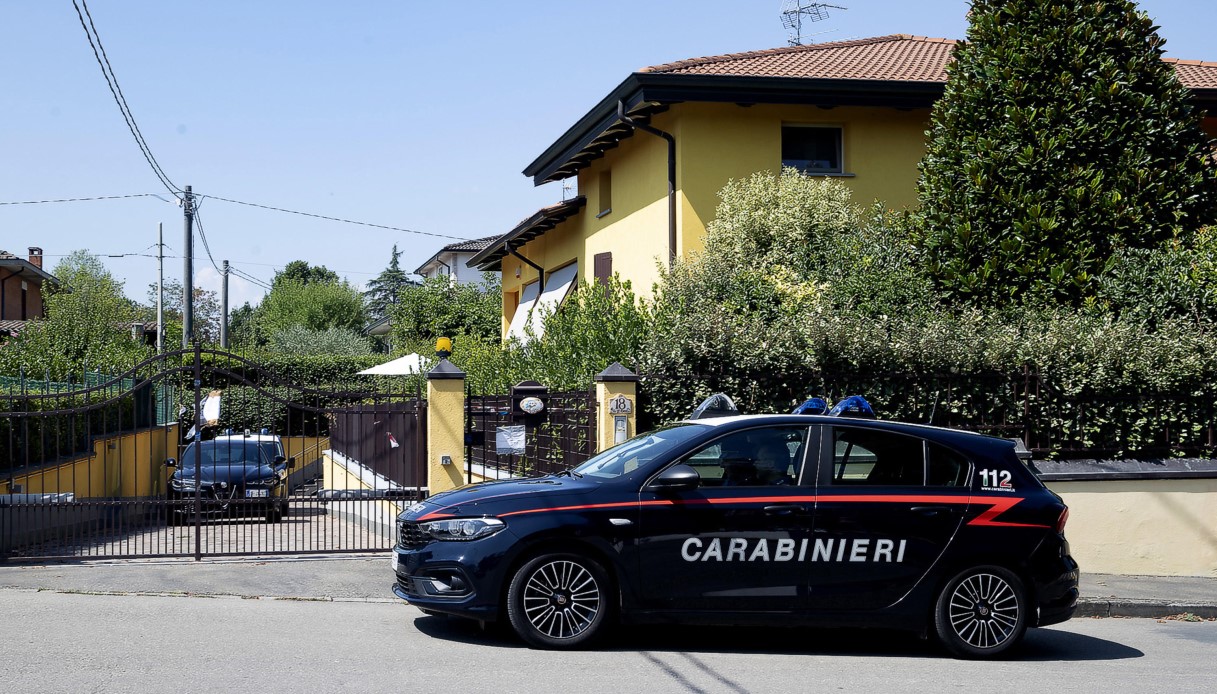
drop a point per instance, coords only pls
(445, 427)
(616, 411)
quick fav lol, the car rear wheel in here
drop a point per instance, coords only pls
(558, 601)
(981, 612)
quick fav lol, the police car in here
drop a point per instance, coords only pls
(816, 520)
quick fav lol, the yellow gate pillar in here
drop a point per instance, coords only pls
(445, 427)
(616, 413)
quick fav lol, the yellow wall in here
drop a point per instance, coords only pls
(715, 143)
(132, 465)
(1143, 527)
(126, 465)
(380, 511)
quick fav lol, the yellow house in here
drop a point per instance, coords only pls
(652, 155)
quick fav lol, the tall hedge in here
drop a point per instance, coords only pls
(1062, 138)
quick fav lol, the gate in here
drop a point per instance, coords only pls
(257, 463)
(503, 441)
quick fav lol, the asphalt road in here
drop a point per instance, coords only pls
(86, 642)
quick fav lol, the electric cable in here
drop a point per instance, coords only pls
(99, 54)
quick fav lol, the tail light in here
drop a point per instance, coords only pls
(1060, 522)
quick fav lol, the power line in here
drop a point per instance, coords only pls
(198, 221)
(99, 197)
(99, 54)
(335, 219)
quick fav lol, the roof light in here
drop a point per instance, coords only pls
(717, 405)
(812, 406)
(853, 406)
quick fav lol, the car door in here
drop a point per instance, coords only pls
(888, 504)
(734, 542)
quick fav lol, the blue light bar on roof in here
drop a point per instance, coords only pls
(853, 406)
(812, 406)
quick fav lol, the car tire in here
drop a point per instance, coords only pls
(981, 612)
(559, 601)
(276, 513)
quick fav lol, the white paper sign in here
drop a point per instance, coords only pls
(509, 440)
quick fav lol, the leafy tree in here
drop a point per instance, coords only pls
(441, 308)
(300, 271)
(1061, 139)
(206, 311)
(87, 325)
(243, 328)
(316, 305)
(383, 290)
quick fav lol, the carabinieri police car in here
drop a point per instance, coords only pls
(766, 519)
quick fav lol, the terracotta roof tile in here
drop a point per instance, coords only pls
(897, 58)
(471, 245)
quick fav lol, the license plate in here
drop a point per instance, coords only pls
(256, 492)
(393, 560)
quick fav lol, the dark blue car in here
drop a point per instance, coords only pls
(768, 519)
(227, 477)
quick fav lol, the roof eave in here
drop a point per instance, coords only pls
(26, 265)
(490, 259)
(642, 88)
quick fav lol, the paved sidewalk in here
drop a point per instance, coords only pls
(367, 577)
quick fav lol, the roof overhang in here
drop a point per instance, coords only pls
(645, 94)
(491, 257)
(23, 267)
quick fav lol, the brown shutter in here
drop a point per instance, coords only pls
(603, 268)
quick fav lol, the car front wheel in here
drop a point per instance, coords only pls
(558, 601)
(981, 612)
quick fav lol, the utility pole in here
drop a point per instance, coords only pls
(188, 271)
(160, 288)
(224, 310)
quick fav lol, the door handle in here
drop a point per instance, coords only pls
(930, 511)
(784, 509)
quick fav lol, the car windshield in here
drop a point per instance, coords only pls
(223, 453)
(627, 457)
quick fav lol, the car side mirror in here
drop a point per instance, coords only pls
(279, 460)
(291, 462)
(170, 462)
(678, 478)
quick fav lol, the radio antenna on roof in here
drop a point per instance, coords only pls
(795, 12)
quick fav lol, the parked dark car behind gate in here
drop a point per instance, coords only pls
(230, 477)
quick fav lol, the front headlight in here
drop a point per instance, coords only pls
(267, 482)
(462, 529)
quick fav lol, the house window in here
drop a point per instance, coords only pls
(606, 193)
(812, 149)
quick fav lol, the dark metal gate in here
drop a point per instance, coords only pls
(83, 470)
(503, 441)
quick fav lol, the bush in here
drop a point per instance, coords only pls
(303, 341)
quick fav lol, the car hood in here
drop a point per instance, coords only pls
(235, 473)
(489, 498)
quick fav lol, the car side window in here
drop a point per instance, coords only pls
(873, 457)
(944, 467)
(752, 458)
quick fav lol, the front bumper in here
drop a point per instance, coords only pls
(458, 578)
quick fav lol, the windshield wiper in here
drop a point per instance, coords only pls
(572, 473)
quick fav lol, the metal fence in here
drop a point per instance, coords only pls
(1051, 418)
(83, 472)
(502, 441)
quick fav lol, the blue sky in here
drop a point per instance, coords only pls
(418, 115)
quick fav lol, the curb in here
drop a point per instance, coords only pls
(1150, 609)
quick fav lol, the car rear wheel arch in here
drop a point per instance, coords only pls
(949, 570)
